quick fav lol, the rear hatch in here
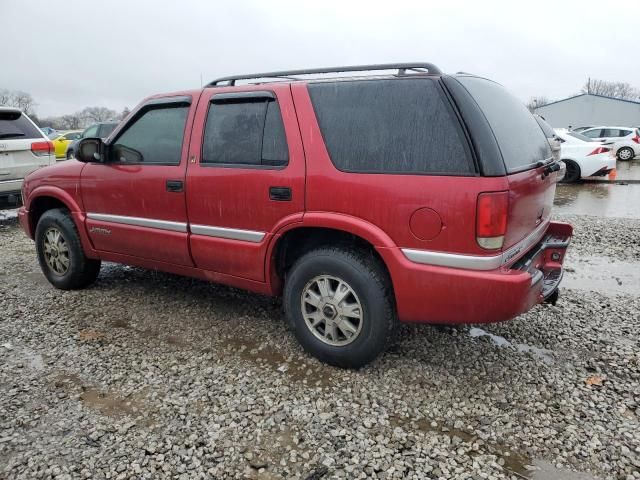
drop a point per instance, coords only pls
(23, 148)
(527, 159)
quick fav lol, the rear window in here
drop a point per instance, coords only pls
(546, 128)
(390, 126)
(519, 137)
(579, 136)
(14, 125)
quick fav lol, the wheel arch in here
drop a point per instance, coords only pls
(318, 230)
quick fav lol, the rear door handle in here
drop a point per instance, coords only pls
(280, 194)
(175, 185)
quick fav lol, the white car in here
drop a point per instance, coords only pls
(23, 149)
(609, 134)
(628, 147)
(583, 156)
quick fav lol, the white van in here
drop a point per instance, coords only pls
(23, 149)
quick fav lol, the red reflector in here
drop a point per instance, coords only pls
(41, 148)
(491, 219)
(599, 150)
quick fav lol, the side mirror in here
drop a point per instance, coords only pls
(90, 150)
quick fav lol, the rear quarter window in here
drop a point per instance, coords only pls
(403, 126)
(14, 125)
(520, 139)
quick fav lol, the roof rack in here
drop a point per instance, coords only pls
(287, 74)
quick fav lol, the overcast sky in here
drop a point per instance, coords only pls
(75, 53)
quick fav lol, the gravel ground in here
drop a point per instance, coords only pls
(149, 375)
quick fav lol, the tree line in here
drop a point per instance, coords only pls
(73, 121)
(621, 90)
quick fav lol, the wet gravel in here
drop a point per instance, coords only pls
(149, 375)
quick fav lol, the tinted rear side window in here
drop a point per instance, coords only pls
(390, 126)
(14, 125)
(519, 137)
(245, 133)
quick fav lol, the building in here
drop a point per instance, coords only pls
(590, 109)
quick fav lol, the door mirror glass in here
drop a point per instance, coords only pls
(89, 150)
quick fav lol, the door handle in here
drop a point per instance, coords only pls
(280, 194)
(175, 185)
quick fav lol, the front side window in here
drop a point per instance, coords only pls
(245, 133)
(402, 126)
(595, 133)
(155, 137)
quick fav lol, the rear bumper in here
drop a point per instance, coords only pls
(10, 187)
(445, 295)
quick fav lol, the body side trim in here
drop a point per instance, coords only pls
(477, 262)
(230, 233)
(140, 222)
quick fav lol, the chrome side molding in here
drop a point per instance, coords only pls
(231, 233)
(139, 222)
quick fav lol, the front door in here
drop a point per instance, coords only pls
(245, 178)
(135, 200)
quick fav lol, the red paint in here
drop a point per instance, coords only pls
(390, 212)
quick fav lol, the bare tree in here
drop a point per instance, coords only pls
(98, 114)
(536, 102)
(72, 121)
(622, 90)
(18, 99)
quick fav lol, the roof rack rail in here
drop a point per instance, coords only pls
(401, 67)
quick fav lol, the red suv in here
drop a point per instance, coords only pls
(363, 200)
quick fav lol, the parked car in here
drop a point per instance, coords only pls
(362, 201)
(629, 147)
(97, 130)
(63, 140)
(23, 149)
(609, 134)
(583, 156)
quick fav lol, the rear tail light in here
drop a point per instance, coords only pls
(636, 138)
(491, 219)
(40, 149)
(599, 150)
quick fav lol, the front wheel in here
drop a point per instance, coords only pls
(60, 253)
(339, 303)
(625, 153)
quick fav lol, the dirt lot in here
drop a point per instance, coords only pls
(149, 375)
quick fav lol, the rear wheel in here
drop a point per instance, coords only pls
(60, 253)
(69, 154)
(626, 153)
(573, 172)
(339, 303)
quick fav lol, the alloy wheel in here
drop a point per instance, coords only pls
(56, 251)
(332, 310)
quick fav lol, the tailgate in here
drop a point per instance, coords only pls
(531, 195)
(17, 160)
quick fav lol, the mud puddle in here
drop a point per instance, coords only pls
(597, 199)
(293, 367)
(602, 274)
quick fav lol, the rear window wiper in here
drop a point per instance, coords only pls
(10, 135)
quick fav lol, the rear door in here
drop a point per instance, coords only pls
(246, 176)
(524, 149)
(135, 201)
(23, 148)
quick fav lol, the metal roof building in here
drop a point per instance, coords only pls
(590, 109)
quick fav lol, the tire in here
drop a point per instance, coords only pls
(370, 294)
(57, 239)
(69, 154)
(625, 154)
(573, 172)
